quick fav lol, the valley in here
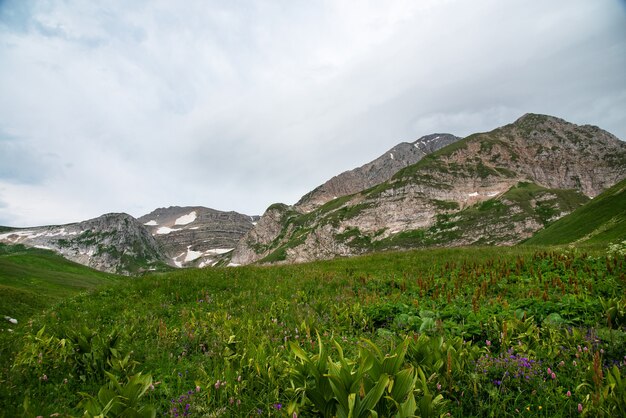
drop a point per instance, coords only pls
(477, 276)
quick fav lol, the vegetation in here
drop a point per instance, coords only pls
(33, 279)
(491, 219)
(602, 220)
(469, 332)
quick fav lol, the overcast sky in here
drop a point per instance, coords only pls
(126, 106)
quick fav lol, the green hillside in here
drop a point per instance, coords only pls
(463, 331)
(600, 221)
(32, 279)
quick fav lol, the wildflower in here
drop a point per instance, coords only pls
(540, 407)
(197, 388)
(438, 386)
(553, 376)
(549, 371)
(574, 363)
(488, 343)
(568, 394)
(294, 415)
(580, 407)
(217, 384)
(278, 406)
(239, 378)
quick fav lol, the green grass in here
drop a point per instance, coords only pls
(33, 279)
(600, 221)
(189, 329)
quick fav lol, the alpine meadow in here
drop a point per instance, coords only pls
(300, 209)
(535, 329)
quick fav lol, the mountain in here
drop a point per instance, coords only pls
(374, 172)
(115, 242)
(195, 235)
(601, 221)
(497, 187)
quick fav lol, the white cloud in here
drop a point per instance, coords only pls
(132, 106)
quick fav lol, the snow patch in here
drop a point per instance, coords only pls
(178, 263)
(233, 265)
(186, 219)
(16, 235)
(473, 194)
(192, 255)
(151, 223)
(492, 194)
(391, 155)
(216, 251)
(164, 230)
(42, 247)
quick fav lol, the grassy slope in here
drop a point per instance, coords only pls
(34, 279)
(600, 221)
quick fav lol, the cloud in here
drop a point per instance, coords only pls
(235, 105)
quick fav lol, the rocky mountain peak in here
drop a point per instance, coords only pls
(196, 235)
(496, 187)
(114, 242)
(375, 172)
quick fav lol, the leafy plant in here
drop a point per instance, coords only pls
(373, 384)
(119, 400)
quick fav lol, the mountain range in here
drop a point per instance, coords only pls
(492, 188)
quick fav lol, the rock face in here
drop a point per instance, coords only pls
(114, 242)
(497, 187)
(195, 235)
(375, 172)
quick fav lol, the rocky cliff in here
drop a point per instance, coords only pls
(497, 187)
(374, 172)
(114, 242)
(195, 235)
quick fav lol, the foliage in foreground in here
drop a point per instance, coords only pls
(465, 332)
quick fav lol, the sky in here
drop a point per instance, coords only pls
(127, 106)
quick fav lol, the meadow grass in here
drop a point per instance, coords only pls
(247, 341)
